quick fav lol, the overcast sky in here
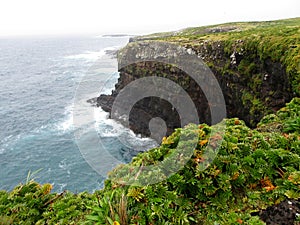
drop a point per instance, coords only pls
(44, 17)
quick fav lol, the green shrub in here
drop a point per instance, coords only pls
(253, 170)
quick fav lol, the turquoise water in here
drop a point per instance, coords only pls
(39, 78)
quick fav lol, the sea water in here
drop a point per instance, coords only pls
(39, 79)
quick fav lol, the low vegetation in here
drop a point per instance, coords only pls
(254, 168)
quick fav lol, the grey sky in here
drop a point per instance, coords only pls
(44, 17)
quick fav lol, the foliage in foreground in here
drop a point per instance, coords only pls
(253, 170)
(32, 203)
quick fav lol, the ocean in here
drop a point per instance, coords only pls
(40, 79)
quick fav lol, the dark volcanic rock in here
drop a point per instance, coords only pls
(151, 107)
(112, 53)
(93, 101)
(282, 214)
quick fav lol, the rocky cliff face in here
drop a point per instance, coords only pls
(252, 85)
(152, 107)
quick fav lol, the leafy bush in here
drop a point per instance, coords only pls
(253, 170)
(32, 203)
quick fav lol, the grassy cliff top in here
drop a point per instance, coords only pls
(276, 40)
(225, 29)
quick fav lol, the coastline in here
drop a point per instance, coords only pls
(255, 173)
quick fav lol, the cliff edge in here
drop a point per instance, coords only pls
(256, 65)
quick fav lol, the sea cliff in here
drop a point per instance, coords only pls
(256, 65)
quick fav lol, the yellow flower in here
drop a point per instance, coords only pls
(47, 188)
(167, 141)
(203, 142)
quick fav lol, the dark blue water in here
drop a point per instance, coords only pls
(38, 82)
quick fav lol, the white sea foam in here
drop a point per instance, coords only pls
(66, 124)
(8, 141)
(106, 127)
(88, 55)
(99, 115)
(61, 186)
(62, 165)
(4, 143)
(91, 55)
(110, 128)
